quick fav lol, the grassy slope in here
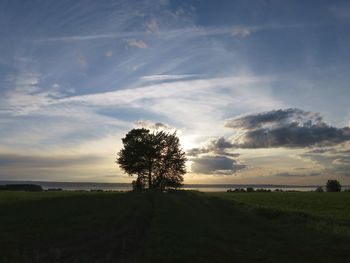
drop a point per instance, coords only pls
(173, 227)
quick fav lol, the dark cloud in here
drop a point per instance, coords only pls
(217, 146)
(322, 150)
(28, 161)
(286, 128)
(274, 117)
(294, 136)
(215, 165)
(286, 174)
(291, 128)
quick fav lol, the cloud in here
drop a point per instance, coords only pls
(215, 165)
(191, 31)
(241, 32)
(335, 160)
(152, 125)
(80, 37)
(32, 161)
(137, 43)
(81, 59)
(164, 77)
(342, 161)
(152, 26)
(285, 128)
(217, 146)
(56, 86)
(108, 53)
(286, 174)
(273, 118)
(341, 10)
(25, 95)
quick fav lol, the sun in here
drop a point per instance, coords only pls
(188, 141)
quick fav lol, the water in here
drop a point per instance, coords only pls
(76, 186)
(87, 186)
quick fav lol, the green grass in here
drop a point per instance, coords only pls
(326, 205)
(183, 226)
(325, 211)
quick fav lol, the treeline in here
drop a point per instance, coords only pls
(249, 190)
(21, 187)
(331, 186)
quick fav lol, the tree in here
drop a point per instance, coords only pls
(333, 186)
(155, 158)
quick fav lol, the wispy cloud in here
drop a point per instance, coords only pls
(242, 31)
(37, 161)
(108, 53)
(169, 77)
(137, 43)
(81, 59)
(191, 31)
(152, 26)
(25, 94)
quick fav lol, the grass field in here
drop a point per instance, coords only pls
(183, 226)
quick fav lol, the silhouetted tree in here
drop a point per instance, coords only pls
(333, 186)
(155, 158)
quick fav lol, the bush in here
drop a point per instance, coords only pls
(319, 189)
(333, 186)
(137, 185)
(250, 189)
(54, 189)
(262, 190)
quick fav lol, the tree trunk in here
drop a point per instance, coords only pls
(150, 178)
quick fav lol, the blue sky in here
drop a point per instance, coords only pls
(75, 76)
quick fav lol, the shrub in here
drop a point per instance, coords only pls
(319, 189)
(262, 190)
(54, 189)
(137, 185)
(250, 189)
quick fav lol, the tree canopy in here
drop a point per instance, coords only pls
(155, 158)
(333, 186)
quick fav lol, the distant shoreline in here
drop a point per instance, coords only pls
(127, 186)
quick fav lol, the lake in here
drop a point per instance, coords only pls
(87, 186)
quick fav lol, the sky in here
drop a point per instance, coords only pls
(258, 91)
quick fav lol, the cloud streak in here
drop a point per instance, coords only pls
(137, 43)
(32, 161)
(191, 31)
